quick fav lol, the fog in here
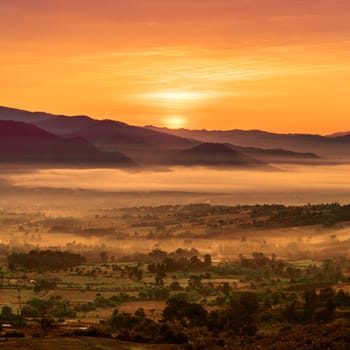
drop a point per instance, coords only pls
(287, 185)
(287, 243)
(62, 193)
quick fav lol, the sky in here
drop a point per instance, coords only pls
(282, 66)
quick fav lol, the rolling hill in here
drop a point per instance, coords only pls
(25, 143)
(331, 147)
(63, 125)
(19, 115)
(276, 155)
(339, 134)
(155, 146)
(212, 154)
(145, 146)
(110, 134)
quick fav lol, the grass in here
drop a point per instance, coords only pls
(10, 296)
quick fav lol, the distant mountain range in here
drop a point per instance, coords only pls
(25, 143)
(48, 138)
(338, 146)
(339, 134)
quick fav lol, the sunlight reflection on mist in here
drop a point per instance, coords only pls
(190, 179)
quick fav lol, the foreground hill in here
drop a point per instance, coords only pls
(305, 143)
(22, 142)
(212, 154)
(79, 343)
(333, 336)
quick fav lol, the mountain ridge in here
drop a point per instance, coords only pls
(152, 145)
(295, 142)
(26, 143)
(213, 154)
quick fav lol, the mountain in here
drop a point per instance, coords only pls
(54, 123)
(339, 134)
(63, 125)
(212, 154)
(23, 142)
(152, 146)
(19, 115)
(110, 133)
(145, 146)
(276, 155)
(304, 143)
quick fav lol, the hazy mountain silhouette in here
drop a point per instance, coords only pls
(23, 142)
(20, 115)
(339, 134)
(276, 155)
(63, 125)
(54, 123)
(151, 145)
(105, 133)
(145, 146)
(305, 143)
(212, 154)
(141, 144)
(110, 133)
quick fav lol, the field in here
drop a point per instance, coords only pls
(157, 275)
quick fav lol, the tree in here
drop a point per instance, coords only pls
(241, 313)
(178, 308)
(44, 260)
(310, 305)
(6, 312)
(195, 262)
(104, 257)
(207, 260)
(159, 277)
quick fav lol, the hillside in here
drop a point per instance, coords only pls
(63, 125)
(22, 142)
(20, 115)
(276, 155)
(154, 146)
(109, 133)
(305, 143)
(212, 154)
(141, 144)
(339, 134)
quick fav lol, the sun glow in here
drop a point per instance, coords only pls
(174, 122)
(174, 98)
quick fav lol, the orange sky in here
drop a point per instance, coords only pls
(252, 64)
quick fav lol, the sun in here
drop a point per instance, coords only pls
(174, 122)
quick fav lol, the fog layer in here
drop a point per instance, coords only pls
(289, 185)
